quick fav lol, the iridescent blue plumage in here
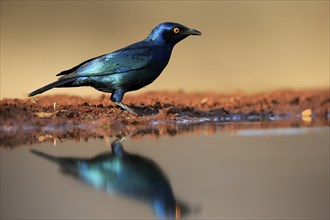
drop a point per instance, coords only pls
(125, 174)
(127, 69)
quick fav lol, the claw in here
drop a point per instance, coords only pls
(123, 106)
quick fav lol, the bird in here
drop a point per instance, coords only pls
(123, 173)
(127, 69)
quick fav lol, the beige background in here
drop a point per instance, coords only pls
(246, 45)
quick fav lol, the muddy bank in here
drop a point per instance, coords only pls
(42, 118)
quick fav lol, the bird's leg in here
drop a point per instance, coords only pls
(117, 147)
(117, 96)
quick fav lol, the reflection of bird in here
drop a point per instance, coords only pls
(127, 69)
(126, 174)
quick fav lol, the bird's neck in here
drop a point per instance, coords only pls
(159, 42)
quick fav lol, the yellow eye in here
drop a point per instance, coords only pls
(176, 30)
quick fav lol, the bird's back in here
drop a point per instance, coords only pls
(131, 68)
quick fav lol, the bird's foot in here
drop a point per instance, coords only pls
(133, 111)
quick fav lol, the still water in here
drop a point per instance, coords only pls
(278, 173)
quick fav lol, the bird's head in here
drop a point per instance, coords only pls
(169, 33)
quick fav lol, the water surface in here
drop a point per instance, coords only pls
(278, 173)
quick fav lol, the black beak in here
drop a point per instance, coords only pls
(193, 32)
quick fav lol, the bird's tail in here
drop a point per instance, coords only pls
(59, 83)
(46, 156)
(67, 164)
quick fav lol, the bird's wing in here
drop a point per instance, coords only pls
(124, 60)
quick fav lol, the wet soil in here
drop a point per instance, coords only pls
(49, 117)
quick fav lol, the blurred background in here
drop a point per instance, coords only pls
(249, 46)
